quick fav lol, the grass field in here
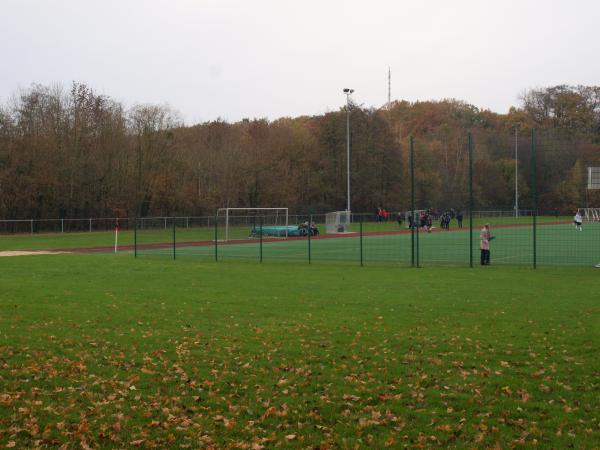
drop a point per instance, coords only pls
(102, 350)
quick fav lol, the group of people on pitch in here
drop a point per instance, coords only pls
(425, 219)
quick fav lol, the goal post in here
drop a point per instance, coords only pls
(238, 217)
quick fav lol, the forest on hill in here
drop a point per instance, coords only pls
(69, 152)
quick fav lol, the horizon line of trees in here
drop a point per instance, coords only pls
(69, 153)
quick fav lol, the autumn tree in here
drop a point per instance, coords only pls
(69, 152)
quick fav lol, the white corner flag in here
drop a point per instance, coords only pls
(116, 235)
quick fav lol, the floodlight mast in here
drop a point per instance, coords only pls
(517, 170)
(348, 92)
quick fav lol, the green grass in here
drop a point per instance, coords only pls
(44, 241)
(107, 351)
(392, 225)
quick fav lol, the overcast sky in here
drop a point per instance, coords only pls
(271, 58)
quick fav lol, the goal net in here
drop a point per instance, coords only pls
(337, 222)
(590, 214)
(240, 223)
(410, 214)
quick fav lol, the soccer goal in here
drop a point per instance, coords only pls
(416, 214)
(337, 222)
(243, 222)
(590, 214)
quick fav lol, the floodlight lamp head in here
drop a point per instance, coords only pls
(346, 90)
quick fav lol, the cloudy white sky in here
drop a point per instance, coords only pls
(271, 58)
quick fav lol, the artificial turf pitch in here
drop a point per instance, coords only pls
(556, 245)
(106, 351)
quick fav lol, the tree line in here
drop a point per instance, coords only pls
(70, 152)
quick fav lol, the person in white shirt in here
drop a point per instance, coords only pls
(577, 221)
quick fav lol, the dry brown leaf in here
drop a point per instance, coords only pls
(389, 441)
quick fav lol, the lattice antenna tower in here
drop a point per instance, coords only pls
(389, 88)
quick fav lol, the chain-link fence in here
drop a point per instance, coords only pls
(526, 186)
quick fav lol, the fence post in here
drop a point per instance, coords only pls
(62, 225)
(165, 223)
(361, 241)
(470, 150)
(174, 238)
(135, 237)
(260, 235)
(417, 247)
(412, 201)
(31, 226)
(534, 194)
(90, 224)
(308, 233)
(216, 236)
(187, 222)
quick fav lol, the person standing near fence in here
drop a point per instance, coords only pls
(485, 237)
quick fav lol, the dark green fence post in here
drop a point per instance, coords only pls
(135, 237)
(470, 150)
(417, 246)
(412, 201)
(174, 238)
(216, 237)
(361, 242)
(308, 233)
(260, 237)
(534, 194)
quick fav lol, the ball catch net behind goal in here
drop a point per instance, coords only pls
(241, 223)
